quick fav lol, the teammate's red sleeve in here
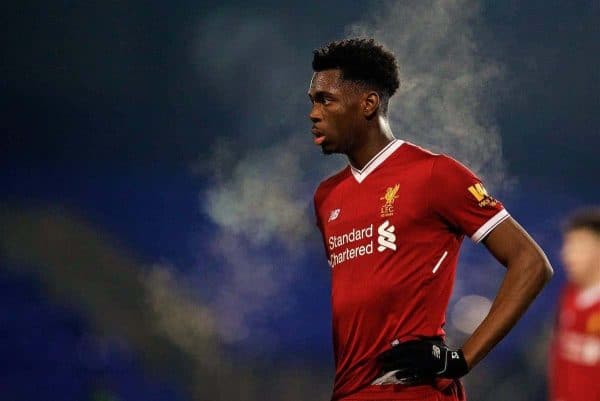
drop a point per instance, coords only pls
(460, 199)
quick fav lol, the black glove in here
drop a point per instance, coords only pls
(424, 358)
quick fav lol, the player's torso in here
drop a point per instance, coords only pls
(373, 231)
(576, 349)
(390, 256)
(579, 328)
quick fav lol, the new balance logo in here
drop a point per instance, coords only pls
(436, 352)
(387, 238)
(334, 215)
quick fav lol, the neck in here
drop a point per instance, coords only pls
(377, 136)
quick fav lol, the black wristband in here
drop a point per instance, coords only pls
(424, 358)
(455, 363)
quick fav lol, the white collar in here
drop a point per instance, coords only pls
(379, 158)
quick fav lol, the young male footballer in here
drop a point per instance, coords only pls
(392, 222)
(574, 353)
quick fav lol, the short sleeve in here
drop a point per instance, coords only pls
(459, 197)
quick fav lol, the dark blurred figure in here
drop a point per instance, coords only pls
(575, 348)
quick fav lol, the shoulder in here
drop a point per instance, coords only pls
(412, 152)
(446, 161)
(446, 167)
(335, 179)
(328, 184)
(441, 166)
(411, 159)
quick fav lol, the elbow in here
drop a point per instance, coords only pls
(541, 268)
(534, 267)
(547, 271)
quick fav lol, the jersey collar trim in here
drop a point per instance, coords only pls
(379, 158)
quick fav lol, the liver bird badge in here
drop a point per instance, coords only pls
(387, 209)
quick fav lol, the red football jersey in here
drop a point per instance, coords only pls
(575, 350)
(392, 234)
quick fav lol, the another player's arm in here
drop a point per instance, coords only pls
(528, 270)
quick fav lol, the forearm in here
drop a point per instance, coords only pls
(527, 272)
(524, 279)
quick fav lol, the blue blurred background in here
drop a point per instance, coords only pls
(156, 231)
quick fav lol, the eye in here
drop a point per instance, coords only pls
(327, 100)
(321, 99)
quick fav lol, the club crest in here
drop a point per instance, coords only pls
(390, 196)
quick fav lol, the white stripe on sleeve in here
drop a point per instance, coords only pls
(489, 225)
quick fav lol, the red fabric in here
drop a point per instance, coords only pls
(575, 349)
(450, 391)
(379, 296)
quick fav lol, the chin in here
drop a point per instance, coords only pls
(328, 148)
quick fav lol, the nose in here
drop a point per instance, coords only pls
(314, 115)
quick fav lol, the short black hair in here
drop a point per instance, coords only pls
(588, 218)
(363, 61)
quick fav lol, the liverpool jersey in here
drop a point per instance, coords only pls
(575, 350)
(392, 233)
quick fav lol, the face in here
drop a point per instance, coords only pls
(581, 256)
(335, 113)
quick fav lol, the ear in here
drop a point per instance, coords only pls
(370, 104)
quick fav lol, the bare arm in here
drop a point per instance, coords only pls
(528, 270)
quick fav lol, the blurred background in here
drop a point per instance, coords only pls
(157, 170)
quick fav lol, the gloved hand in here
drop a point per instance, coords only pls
(424, 358)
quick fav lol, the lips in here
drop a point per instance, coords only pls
(319, 136)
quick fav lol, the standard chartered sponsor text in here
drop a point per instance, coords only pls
(338, 241)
